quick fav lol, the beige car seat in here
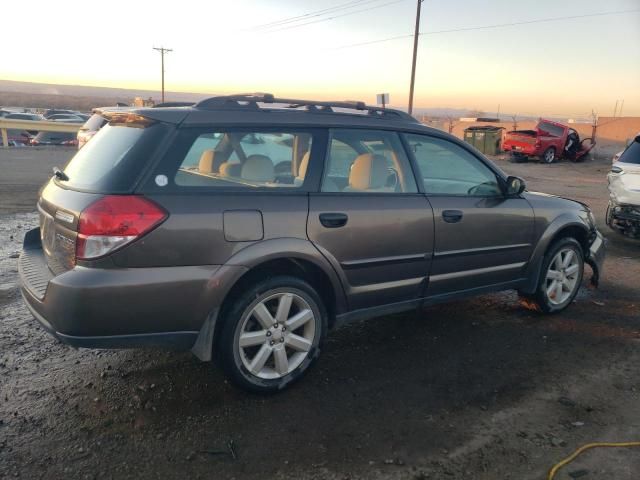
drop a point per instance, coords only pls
(369, 173)
(258, 168)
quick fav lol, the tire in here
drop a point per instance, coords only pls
(274, 353)
(549, 155)
(545, 299)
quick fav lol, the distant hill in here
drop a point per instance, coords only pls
(78, 97)
(82, 97)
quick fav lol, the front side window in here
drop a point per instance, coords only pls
(449, 169)
(246, 159)
(367, 161)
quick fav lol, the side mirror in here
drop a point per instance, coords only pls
(515, 186)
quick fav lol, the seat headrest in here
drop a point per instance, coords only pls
(258, 168)
(368, 172)
(208, 162)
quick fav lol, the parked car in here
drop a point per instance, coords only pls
(550, 141)
(18, 138)
(168, 229)
(24, 116)
(56, 111)
(67, 139)
(623, 211)
(65, 117)
(91, 127)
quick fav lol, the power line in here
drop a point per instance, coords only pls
(485, 27)
(334, 17)
(316, 13)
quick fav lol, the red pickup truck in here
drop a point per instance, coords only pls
(550, 141)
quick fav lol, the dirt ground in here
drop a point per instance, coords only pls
(480, 389)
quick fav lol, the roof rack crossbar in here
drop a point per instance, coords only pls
(251, 100)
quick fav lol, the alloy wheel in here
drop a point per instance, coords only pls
(562, 276)
(276, 335)
(549, 155)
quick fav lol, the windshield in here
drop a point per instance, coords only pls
(114, 158)
(632, 153)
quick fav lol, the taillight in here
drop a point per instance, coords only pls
(113, 222)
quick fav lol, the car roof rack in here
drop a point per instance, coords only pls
(174, 104)
(250, 101)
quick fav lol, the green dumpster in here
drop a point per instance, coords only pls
(486, 138)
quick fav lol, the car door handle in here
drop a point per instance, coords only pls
(333, 220)
(452, 216)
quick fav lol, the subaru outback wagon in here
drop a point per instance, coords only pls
(245, 227)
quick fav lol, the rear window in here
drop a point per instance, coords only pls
(632, 153)
(95, 122)
(551, 129)
(115, 158)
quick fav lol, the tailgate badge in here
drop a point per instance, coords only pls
(64, 216)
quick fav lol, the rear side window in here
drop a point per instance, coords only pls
(367, 161)
(632, 153)
(114, 158)
(246, 159)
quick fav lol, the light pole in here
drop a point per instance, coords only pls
(415, 56)
(162, 51)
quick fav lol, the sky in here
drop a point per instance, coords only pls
(563, 67)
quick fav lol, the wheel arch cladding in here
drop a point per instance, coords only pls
(562, 227)
(264, 260)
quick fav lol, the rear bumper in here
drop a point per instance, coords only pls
(118, 307)
(174, 340)
(522, 149)
(595, 257)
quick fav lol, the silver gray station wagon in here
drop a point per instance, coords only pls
(245, 227)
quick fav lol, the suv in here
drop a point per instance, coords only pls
(245, 227)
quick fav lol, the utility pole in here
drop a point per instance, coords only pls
(415, 56)
(620, 111)
(162, 51)
(615, 109)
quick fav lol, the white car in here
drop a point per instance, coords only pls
(623, 213)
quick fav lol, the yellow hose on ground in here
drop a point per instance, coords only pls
(572, 457)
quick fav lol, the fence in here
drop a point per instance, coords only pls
(40, 126)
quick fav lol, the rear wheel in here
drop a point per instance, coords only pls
(549, 155)
(272, 334)
(560, 278)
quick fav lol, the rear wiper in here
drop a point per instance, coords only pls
(60, 175)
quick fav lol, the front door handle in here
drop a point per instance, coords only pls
(452, 216)
(333, 220)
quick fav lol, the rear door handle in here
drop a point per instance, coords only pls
(333, 220)
(452, 216)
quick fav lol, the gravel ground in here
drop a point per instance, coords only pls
(479, 389)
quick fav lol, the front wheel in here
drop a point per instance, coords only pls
(549, 155)
(560, 278)
(272, 334)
